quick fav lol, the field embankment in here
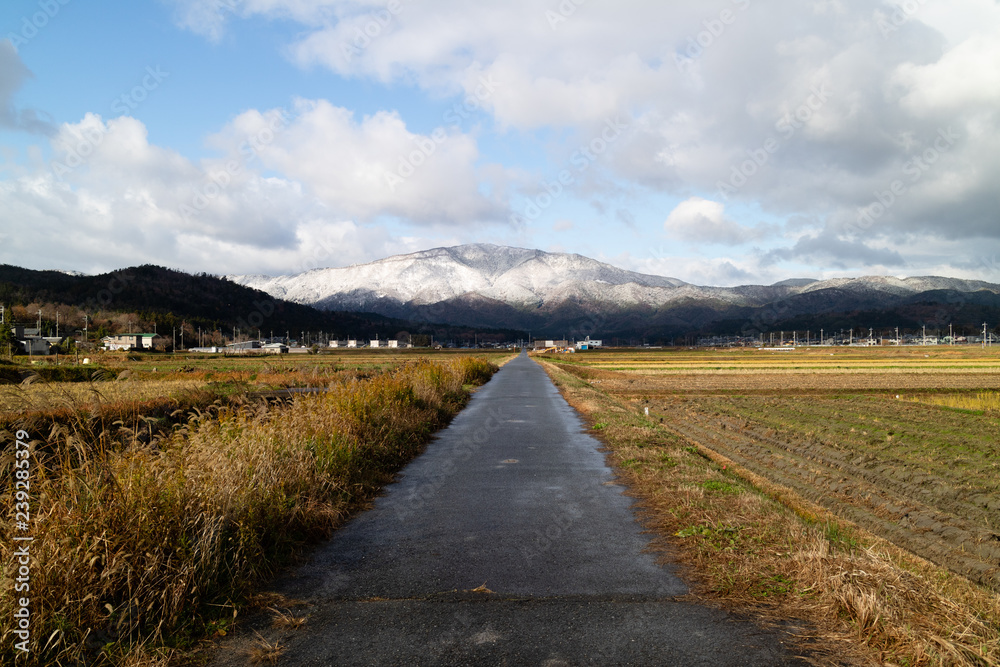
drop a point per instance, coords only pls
(143, 547)
(812, 506)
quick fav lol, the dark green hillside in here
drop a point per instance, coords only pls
(145, 297)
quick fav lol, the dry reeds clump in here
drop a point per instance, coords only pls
(151, 544)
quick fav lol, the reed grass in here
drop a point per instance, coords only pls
(142, 549)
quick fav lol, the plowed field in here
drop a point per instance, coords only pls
(850, 438)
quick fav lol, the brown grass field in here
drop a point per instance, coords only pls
(162, 491)
(858, 489)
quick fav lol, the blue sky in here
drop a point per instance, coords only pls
(721, 142)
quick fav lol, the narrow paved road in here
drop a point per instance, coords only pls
(513, 499)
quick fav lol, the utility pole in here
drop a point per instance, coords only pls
(821, 337)
(57, 323)
(951, 336)
(984, 335)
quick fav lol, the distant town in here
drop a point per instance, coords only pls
(39, 340)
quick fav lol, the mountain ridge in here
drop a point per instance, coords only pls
(490, 285)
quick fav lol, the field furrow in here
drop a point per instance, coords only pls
(909, 515)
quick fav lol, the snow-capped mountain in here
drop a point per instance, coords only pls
(512, 275)
(490, 285)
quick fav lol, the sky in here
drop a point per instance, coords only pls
(720, 142)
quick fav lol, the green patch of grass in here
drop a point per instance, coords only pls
(777, 585)
(841, 536)
(692, 531)
(720, 487)
(666, 460)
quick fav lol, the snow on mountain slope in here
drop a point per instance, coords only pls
(512, 275)
(524, 278)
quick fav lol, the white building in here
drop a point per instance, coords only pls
(244, 347)
(392, 343)
(137, 341)
(375, 342)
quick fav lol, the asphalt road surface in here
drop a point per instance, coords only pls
(506, 543)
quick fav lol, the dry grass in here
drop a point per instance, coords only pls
(265, 651)
(39, 396)
(756, 546)
(286, 620)
(142, 546)
(988, 401)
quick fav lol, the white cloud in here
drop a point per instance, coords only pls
(705, 88)
(966, 77)
(704, 221)
(375, 167)
(281, 187)
(13, 74)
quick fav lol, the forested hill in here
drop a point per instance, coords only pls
(168, 298)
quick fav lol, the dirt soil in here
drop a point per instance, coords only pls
(765, 383)
(925, 478)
